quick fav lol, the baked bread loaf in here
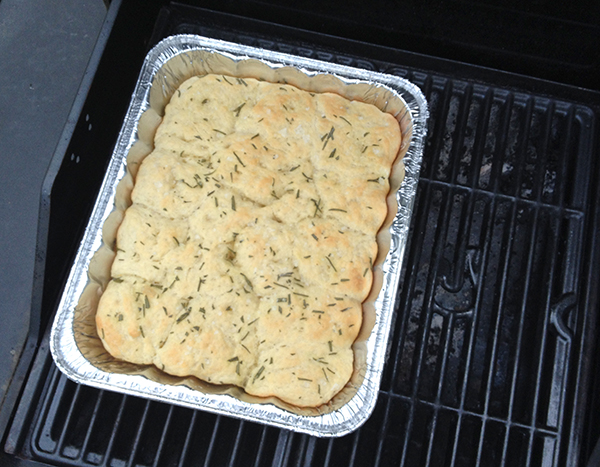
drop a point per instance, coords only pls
(247, 252)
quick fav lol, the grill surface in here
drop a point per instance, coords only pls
(489, 362)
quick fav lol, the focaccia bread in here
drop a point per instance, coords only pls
(248, 249)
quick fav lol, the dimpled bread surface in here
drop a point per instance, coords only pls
(248, 249)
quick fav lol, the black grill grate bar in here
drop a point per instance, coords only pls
(438, 141)
(185, 450)
(501, 143)
(414, 253)
(213, 441)
(426, 319)
(261, 447)
(281, 450)
(559, 210)
(519, 339)
(68, 420)
(56, 386)
(301, 449)
(238, 441)
(509, 238)
(565, 157)
(448, 325)
(542, 159)
(163, 436)
(384, 427)
(521, 149)
(485, 257)
(458, 134)
(481, 133)
(328, 453)
(138, 435)
(309, 451)
(586, 144)
(472, 334)
(113, 436)
(438, 246)
(543, 344)
(469, 413)
(93, 420)
(355, 448)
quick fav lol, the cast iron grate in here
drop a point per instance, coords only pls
(483, 365)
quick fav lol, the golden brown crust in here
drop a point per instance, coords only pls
(248, 249)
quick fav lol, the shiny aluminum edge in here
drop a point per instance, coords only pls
(354, 413)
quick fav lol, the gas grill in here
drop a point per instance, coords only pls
(493, 358)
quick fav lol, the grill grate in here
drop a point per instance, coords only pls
(483, 365)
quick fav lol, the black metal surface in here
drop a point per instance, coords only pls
(546, 39)
(492, 355)
(41, 67)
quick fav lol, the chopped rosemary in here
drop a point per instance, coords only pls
(258, 373)
(327, 136)
(239, 160)
(331, 263)
(247, 280)
(238, 109)
(183, 316)
(317, 206)
(346, 120)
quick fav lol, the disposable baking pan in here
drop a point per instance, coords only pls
(74, 343)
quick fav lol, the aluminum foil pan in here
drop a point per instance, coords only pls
(74, 343)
